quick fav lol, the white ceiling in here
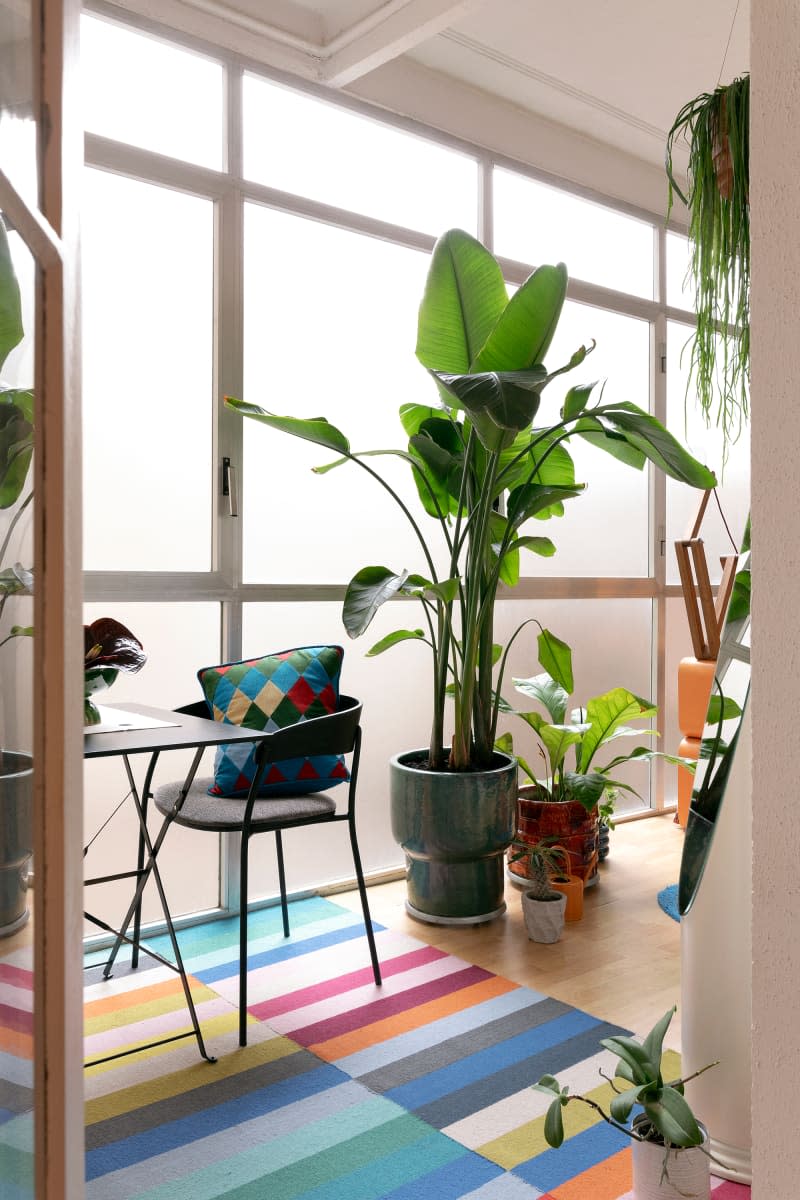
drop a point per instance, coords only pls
(617, 70)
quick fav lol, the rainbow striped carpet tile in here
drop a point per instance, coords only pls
(418, 1090)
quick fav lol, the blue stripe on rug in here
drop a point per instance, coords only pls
(476, 1067)
(668, 901)
(285, 953)
(554, 1167)
(449, 1181)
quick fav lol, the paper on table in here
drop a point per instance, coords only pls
(112, 720)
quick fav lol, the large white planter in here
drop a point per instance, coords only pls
(687, 1174)
(544, 919)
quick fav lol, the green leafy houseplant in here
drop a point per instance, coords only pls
(716, 127)
(16, 439)
(668, 1115)
(543, 907)
(485, 464)
(588, 731)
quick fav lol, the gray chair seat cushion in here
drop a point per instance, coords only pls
(201, 811)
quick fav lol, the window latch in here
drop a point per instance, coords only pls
(229, 487)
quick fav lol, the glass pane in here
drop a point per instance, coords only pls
(313, 148)
(17, 127)
(337, 342)
(611, 647)
(686, 422)
(679, 293)
(536, 223)
(178, 639)
(604, 531)
(16, 724)
(148, 340)
(149, 93)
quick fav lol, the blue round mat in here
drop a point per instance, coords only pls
(668, 900)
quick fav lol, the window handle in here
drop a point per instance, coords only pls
(229, 487)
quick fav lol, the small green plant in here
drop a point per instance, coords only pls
(667, 1117)
(588, 731)
(544, 861)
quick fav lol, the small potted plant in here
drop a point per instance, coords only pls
(566, 804)
(670, 1155)
(487, 464)
(543, 906)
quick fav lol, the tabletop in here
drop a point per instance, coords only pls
(181, 731)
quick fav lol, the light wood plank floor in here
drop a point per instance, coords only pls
(621, 962)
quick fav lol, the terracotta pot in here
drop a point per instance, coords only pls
(572, 887)
(569, 824)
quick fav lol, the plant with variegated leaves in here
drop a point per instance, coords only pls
(667, 1117)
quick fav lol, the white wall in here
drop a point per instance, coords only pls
(775, 143)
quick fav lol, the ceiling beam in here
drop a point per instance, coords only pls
(384, 34)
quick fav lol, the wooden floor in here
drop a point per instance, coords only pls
(621, 962)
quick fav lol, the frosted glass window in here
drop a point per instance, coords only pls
(329, 329)
(148, 287)
(680, 292)
(309, 147)
(150, 93)
(611, 647)
(178, 639)
(705, 442)
(605, 530)
(536, 224)
(395, 689)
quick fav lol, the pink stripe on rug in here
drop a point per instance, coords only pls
(357, 1018)
(15, 1019)
(17, 976)
(726, 1189)
(344, 983)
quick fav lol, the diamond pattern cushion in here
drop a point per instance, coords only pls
(270, 693)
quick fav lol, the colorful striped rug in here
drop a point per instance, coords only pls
(419, 1090)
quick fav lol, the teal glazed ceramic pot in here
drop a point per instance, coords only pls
(454, 829)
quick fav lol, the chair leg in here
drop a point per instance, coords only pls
(282, 882)
(362, 891)
(243, 942)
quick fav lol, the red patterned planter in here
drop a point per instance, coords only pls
(568, 824)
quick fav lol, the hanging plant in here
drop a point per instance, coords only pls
(716, 128)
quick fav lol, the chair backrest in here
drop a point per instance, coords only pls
(333, 733)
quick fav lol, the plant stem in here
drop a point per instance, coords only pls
(14, 520)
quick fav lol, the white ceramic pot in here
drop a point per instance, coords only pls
(687, 1172)
(544, 919)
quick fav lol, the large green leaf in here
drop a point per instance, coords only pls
(576, 400)
(613, 443)
(412, 416)
(437, 445)
(604, 714)
(464, 296)
(16, 581)
(534, 499)
(633, 1054)
(523, 333)
(556, 658)
(311, 429)
(650, 436)
(547, 692)
(543, 462)
(622, 1104)
(555, 739)
(554, 1125)
(672, 1117)
(586, 788)
(11, 331)
(16, 448)
(500, 404)
(366, 592)
(654, 1042)
(392, 639)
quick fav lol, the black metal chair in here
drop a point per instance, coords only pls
(335, 733)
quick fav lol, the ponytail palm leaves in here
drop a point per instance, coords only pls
(485, 465)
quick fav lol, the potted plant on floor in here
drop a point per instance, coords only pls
(543, 906)
(566, 805)
(484, 468)
(16, 448)
(670, 1158)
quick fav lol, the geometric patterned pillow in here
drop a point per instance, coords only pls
(270, 693)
